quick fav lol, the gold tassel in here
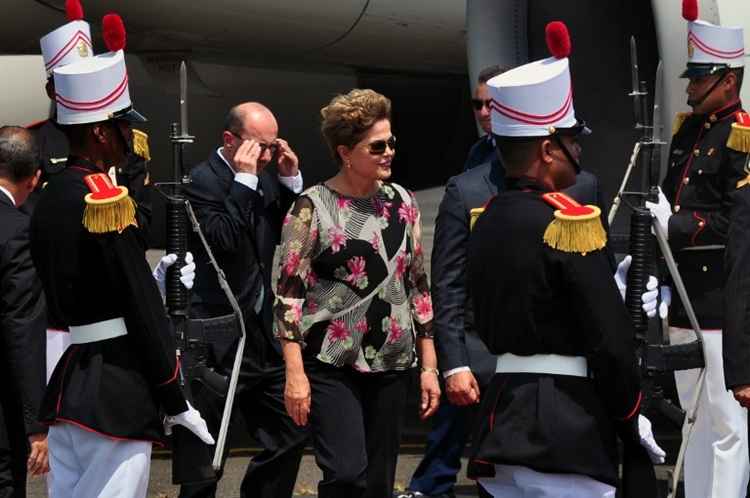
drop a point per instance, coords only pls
(739, 138)
(678, 120)
(140, 144)
(475, 213)
(110, 216)
(581, 234)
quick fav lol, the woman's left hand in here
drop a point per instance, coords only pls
(430, 388)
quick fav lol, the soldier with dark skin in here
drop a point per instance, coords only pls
(105, 401)
(706, 176)
(566, 381)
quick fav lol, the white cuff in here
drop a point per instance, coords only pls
(456, 370)
(293, 183)
(247, 179)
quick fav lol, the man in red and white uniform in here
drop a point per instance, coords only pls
(105, 397)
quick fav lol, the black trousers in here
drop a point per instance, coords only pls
(14, 446)
(260, 401)
(356, 422)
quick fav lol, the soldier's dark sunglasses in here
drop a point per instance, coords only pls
(273, 146)
(477, 104)
(377, 147)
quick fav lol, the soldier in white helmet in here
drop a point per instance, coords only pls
(105, 398)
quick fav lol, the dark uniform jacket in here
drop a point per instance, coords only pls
(242, 228)
(115, 386)
(531, 299)
(701, 179)
(53, 149)
(22, 320)
(456, 340)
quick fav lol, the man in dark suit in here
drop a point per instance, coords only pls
(22, 320)
(241, 203)
(483, 151)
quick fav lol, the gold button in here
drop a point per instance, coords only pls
(705, 268)
(700, 171)
(696, 152)
(701, 224)
(707, 126)
(710, 151)
(686, 180)
(677, 208)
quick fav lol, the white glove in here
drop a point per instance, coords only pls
(647, 440)
(187, 272)
(192, 420)
(621, 275)
(650, 298)
(661, 211)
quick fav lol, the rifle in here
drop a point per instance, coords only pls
(656, 355)
(201, 343)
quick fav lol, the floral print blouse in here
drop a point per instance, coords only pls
(349, 278)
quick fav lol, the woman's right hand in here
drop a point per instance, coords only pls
(297, 397)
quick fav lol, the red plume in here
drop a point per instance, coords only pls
(690, 10)
(73, 10)
(113, 30)
(558, 39)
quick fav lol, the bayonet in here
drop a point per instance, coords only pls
(635, 92)
(183, 100)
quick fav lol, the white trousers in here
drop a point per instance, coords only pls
(515, 481)
(716, 457)
(87, 465)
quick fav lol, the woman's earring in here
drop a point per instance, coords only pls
(348, 163)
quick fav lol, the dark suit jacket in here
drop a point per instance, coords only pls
(243, 229)
(22, 321)
(482, 152)
(455, 336)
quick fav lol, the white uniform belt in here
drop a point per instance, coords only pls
(553, 364)
(98, 331)
(714, 247)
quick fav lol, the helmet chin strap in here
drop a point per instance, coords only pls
(698, 102)
(568, 155)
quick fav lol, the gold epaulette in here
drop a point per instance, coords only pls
(109, 208)
(576, 228)
(678, 120)
(739, 136)
(475, 213)
(140, 144)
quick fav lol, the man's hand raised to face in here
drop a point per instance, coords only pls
(288, 163)
(246, 157)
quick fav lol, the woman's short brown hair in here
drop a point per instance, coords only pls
(347, 118)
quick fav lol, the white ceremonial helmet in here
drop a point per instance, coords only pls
(96, 89)
(710, 48)
(536, 99)
(69, 43)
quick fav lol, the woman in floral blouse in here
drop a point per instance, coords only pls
(353, 307)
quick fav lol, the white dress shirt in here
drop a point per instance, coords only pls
(293, 183)
(7, 193)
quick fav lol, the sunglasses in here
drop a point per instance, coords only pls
(273, 146)
(479, 103)
(378, 147)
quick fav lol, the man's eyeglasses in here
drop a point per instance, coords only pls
(377, 147)
(479, 103)
(273, 147)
